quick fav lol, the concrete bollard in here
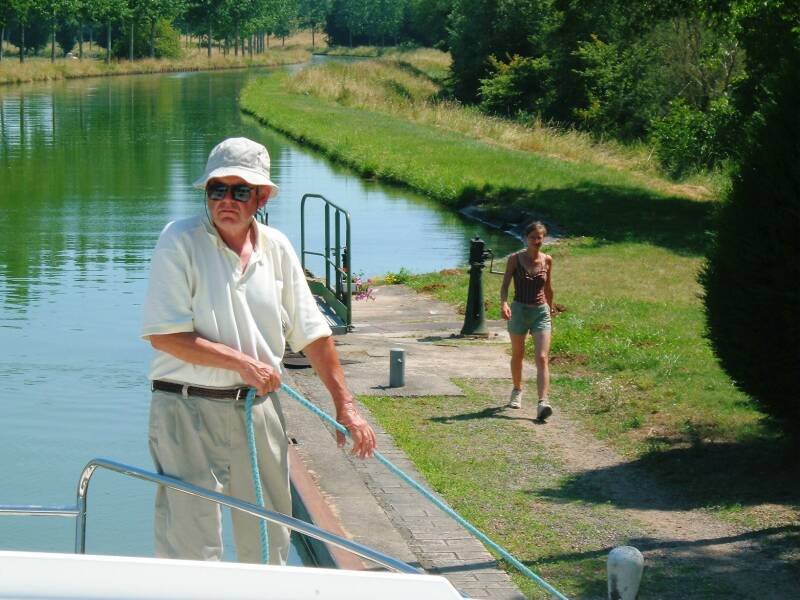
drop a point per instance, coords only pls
(397, 367)
(625, 566)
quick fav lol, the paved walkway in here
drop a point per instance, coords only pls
(373, 505)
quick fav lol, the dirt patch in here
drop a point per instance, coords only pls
(431, 287)
(747, 560)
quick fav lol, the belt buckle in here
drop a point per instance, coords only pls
(238, 394)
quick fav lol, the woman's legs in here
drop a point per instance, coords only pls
(517, 353)
(541, 344)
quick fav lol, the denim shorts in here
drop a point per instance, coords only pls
(529, 317)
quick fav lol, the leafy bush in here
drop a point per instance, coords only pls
(751, 278)
(687, 139)
(622, 90)
(167, 42)
(402, 276)
(520, 85)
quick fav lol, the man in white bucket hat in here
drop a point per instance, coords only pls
(225, 295)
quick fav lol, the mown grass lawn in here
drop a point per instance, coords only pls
(487, 464)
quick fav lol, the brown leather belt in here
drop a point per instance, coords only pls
(193, 390)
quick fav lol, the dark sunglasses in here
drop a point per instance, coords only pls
(239, 192)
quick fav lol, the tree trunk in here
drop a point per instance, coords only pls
(21, 43)
(267, 41)
(283, 41)
(130, 44)
(80, 41)
(2, 41)
(53, 40)
(91, 37)
(312, 37)
(210, 31)
(108, 42)
(152, 38)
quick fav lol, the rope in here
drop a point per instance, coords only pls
(251, 443)
(430, 496)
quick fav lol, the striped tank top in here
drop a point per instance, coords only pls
(529, 287)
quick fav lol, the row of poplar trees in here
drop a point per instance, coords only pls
(30, 23)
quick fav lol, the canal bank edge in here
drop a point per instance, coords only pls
(38, 71)
(373, 506)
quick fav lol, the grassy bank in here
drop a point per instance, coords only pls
(411, 85)
(493, 468)
(629, 358)
(41, 69)
(457, 169)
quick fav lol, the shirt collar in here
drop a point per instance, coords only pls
(260, 238)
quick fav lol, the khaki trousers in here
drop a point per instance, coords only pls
(203, 441)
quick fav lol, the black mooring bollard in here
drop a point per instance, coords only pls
(475, 316)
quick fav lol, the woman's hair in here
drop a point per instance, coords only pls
(538, 226)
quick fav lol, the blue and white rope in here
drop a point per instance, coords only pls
(251, 443)
(430, 496)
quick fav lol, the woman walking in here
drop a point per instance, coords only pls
(531, 311)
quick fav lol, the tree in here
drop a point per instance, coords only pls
(6, 13)
(56, 11)
(386, 19)
(284, 17)
(312, 14)
(151, 11)
(426, 22)
(109, 12)
(201, 14)
(752, 272)
(24, 11)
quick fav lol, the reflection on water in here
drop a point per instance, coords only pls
(90, 172)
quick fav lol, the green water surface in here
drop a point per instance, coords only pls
(90, 172)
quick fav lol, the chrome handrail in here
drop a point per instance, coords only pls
(79, 512)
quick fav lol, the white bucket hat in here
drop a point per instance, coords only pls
(239, 157)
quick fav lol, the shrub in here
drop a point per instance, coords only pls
(751, 278)
(622, 89)
(167, 43)
(402, 276)
(687, 139)
(518, 86)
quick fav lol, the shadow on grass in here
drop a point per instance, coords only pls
(786, 536)
(703, 476)
(606, 213)
(491, 412)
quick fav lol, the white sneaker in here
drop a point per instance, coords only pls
(543, 410)
(515, 401)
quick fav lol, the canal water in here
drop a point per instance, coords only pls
(90, 172)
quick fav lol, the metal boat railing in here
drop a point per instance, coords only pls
(78, 511)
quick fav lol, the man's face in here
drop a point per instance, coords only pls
(229, 212)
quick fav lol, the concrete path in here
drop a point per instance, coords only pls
(373, 505)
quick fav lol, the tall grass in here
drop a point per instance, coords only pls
(41, 69)
(453, 167)
(410, 85)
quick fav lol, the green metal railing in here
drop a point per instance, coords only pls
(337, 291)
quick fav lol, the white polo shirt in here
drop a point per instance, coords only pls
(196, 284)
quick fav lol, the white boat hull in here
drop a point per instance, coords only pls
(49, 576)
